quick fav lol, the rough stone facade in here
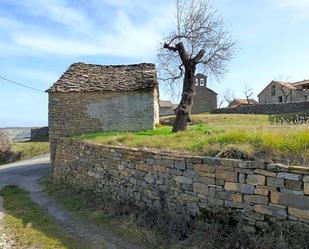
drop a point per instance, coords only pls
(91, 98)
(205, 99)
(279, 108)
(284, 92)
(78, 113)
(39, 134)
(254, 192)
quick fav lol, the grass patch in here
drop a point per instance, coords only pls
(30, 149)
(111, 215)
(252, 135)
(31, 227)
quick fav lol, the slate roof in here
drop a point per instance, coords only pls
(81, 77)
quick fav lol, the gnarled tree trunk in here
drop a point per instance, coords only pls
(183, 110)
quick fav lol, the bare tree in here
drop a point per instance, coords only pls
(220, 102)
(199, 40)
(248, 91)
(286, 92)
(229, 96)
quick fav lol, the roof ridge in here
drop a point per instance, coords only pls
(83, 77)
(113, 65)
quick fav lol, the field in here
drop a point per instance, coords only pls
(30, 149)
(248, 137)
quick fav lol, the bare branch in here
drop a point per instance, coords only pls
(229, 96)
(248, 92)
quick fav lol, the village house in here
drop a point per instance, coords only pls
(205, 99)
(284, 92)
(242, 102)
(92, 98)
(167, 108)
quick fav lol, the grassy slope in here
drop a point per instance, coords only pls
(251, 134)
(103, 213)
(31, 149)
(30, 226)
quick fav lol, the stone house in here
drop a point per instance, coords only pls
(94, 98)
(205, 99)
(167, 108)
(284, 92)
(242, 102)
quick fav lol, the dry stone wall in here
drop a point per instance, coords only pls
(39, 134)
(278, 108)
(255, 192)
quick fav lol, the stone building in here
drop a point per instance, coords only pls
(167, 108)
(284, 92)
(242, 102)
(205, 99)
(93, 98)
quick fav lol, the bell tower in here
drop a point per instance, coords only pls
(205, 99)
(201, 80)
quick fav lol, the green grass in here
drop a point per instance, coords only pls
(211, 134)
(31, 227)
(102, 210)
(31, 149)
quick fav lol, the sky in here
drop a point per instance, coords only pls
(40, 39)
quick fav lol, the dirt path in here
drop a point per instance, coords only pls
(28, 175)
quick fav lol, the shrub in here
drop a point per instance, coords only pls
(290, 118)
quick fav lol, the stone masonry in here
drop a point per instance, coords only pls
(278, 108)
(254, 192)
(91, 98)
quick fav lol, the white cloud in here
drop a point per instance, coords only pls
(58, 11)
(123, 37)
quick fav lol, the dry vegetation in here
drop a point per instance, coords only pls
(6, 152)
(162, 230)
(249, 137)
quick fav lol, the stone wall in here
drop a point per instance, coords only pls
(254, 192)
(39, 134)
(278, 108)
(74, 113)
(166, 111)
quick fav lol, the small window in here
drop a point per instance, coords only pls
(196, 82)
(202, 82)
(306, 97)
(273, 91)
(280, 99)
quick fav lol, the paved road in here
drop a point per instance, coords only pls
(24, 174)
(28, 175)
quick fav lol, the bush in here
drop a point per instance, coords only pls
(6, 153)
(290, 118)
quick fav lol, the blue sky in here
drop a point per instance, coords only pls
(40, 39)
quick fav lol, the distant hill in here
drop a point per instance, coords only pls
(18, 133)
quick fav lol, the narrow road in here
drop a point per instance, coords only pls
(28, 175)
